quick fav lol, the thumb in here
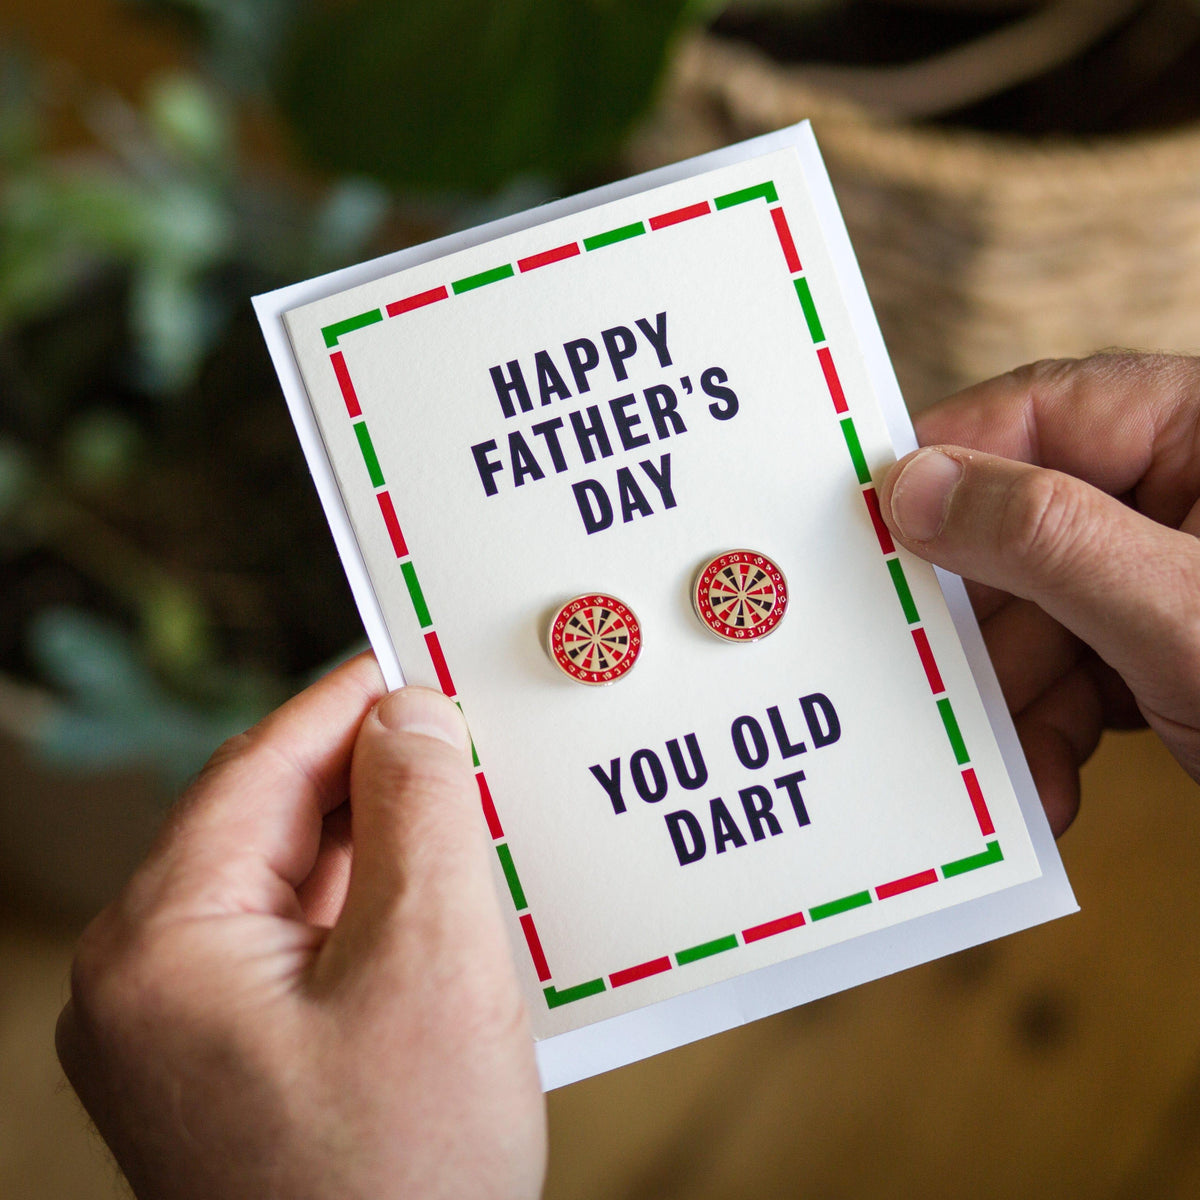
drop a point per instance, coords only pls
(1121, 582)
(420, 881)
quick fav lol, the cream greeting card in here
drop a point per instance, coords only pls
(605, 474)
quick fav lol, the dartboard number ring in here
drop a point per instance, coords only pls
(740, 595)
(595, 639)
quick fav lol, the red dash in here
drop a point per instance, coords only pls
(908, 884)
(439, 663)
(756, 933)
(535, 948)
(785, 240)
(978, 803)
(489, 808)
(548, 256)
(345, 383)
(925, 650)
(418, 301)
(681, 214)
(643, 971)
(832, 381)
(393, 525)
(881, 530)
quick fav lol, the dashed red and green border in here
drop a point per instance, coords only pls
(880, 892)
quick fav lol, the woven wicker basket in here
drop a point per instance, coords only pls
(980, 252)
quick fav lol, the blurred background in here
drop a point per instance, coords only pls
(1020, 179)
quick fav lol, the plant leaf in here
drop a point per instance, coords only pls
(461, 95)
(187, 117)
(92, 660)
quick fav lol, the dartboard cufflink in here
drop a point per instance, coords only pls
(595, 639)
(740, 595)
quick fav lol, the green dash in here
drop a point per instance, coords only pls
(810, 309)
(510, 874)
(349, 325)
(820, 911)
(902, 590)
(368, 452)
(416, 595)
(760, 191)
(953, 732)
(856, 455)
(474, 752)
(707, 949)
(482, 279)
(992, 854)
(580, 991)
(613, 235)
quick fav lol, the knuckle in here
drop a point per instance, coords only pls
(229, 750)
(1045, 375)
(1066, 378)
(1047, 372)
(102, 988)
(1041, 524)
(119, 973)
(90, 965)
(1074, 384)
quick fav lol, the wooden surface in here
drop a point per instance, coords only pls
(1063, 1062)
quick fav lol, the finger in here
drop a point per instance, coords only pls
(1055, 774)
(247, 833)
(1072, 706)
(421, 929)
(323, 893)
(1059, 732)
(1117, 702)
(986, 600)
(1030, 651)
(81, 1058)
(1191, 521)
(69, 1045)
(1122, 583)
(421, 872)
(1141, 408)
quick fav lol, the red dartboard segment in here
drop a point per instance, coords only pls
(595, 638)
(740, 595)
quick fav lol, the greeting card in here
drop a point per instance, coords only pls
(605, 473)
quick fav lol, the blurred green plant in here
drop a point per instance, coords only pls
(167, 573)
(162, 199)
(451, 97)
(113, 709)
(461, 95)
(124, 271)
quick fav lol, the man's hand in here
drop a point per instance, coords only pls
(309, 1000)
(1068, 492)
